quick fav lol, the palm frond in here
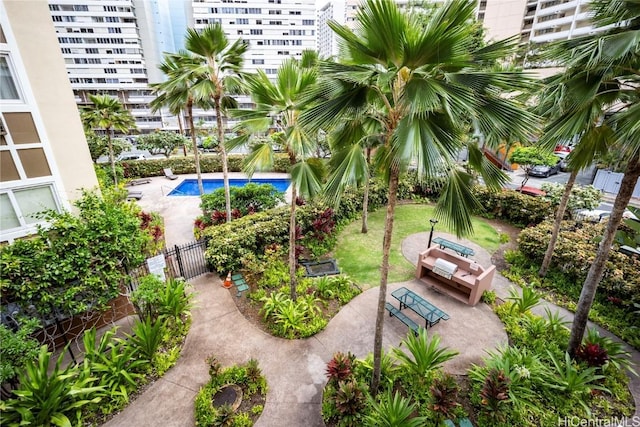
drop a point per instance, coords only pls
(349, 168)
(307, 178)
(457, 203)
(259, 158)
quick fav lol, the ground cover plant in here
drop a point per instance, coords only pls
(530, 382)
(113, 368)
(253, 384)
(319, 298)
(359, 254)
(534, 382)
(613, 307)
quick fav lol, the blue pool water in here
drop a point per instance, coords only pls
(189, 187)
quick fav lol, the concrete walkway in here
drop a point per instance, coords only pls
(294, 369)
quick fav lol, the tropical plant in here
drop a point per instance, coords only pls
(600, 69)
(424, 353)
(525, 302)
(147, 336)
(220, 63)
(146, 297)
(46, 398)
(444, 395)
(175, 301)
(279, 103)
(423, 79)
(388, 368)
(393, 411)
(178, 94)
(495, 394)
(108, 113)
(350, 397)
(567, 378)
(340, 367)
(615, 352)
(114, 362)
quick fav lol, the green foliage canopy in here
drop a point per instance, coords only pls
(161, 142)
(78, 262)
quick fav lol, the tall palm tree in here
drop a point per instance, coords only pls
(426, 76)
(603, 78)
(221, 64)
(109, 114)
(178, 94)
(279, 104)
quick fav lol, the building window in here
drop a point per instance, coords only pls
(256, 32)
(308, 22)
(57, 18)
(109, 8)
(110, 70)
(275, 12)
(257, 61)
(8, 88)
(113, 30)
(91, 50)
(112, 19)
(21, 207)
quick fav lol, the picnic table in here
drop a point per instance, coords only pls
(448, 244)
(423, 308)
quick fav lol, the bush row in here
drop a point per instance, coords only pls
(518, 209)
(182, 165)
(574, 253)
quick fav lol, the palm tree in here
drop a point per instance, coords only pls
(108, 113)
(602, 76)
(221, 63)
(279, 104)
(178, 94)
(425, 76)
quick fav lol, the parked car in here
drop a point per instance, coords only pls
(564, 164)
(131, 156)
(545, 171)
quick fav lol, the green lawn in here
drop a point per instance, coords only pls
(360, 255)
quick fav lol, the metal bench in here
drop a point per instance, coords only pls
(394, 312)
(457, 247)
(423, 308)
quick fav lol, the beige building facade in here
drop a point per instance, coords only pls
(44, 157)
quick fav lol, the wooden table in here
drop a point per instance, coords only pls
(423, 308)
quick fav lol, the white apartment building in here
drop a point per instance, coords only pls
(537, 21)
(104, 53)
(275, 29)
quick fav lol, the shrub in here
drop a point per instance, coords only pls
(340, 367)
(509, 205)
(581, 197)
(17, 348)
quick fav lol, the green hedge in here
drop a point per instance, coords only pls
(230, 242)
(509, 205)
(183, 165)
(574, 253)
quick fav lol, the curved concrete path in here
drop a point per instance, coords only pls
(295, 369)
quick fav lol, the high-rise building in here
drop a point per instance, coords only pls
(536, 21)
(104, 53)
(44, 158)
(274, 29)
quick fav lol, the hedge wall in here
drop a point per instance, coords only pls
(574, 253)
(182, 165)
(516, 208)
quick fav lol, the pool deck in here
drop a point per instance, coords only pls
(179, 223)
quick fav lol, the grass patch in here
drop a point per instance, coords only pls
(360, 255)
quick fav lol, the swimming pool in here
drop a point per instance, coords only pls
(189, 187)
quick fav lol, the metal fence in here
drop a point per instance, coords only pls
(186, 261)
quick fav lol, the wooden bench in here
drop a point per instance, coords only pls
(394, 312)
(448, 244)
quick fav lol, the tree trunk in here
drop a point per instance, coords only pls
(597, 267)
(384, 274)
(196, 154)
(292, 244)
(365, 208)
(556, 225)
(181, 129)
(225, 163)
(112, 158)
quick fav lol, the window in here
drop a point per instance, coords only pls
(242, 21)
(275, 12)
(137, 70)
(25, 206)
(110, 70)
(295, 12)
(91, 50)
(257, 61)
(65, 50)
(81, 8)
(256, 32)
(113, 30)
(259, 21)
(308, 22)
(97, 19)
(275, 22)
(54, 7)
(109, 8)
(57, 18)
(86, 30)
(112, 19)
(8, 88)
